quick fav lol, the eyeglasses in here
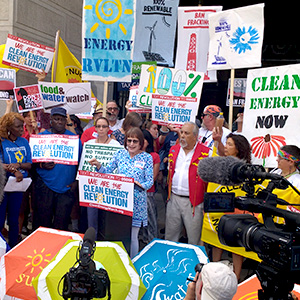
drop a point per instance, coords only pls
(113, 108)
(203, 115)
(129, 141)
(101, 126)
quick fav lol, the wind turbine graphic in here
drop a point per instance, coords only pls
(152, 35)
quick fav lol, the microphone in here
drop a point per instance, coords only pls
(87, 248)
(230, 170)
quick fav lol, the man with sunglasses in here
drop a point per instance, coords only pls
(208, 134)
(213, 281)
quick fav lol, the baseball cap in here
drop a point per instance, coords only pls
(219, 282)
(212, 110)
(98, 109)
(58, 111)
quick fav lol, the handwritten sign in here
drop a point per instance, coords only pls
(28, 98)
(7, 83)
(106, 191)
(27, 55)
(167, 83)
(59, 148)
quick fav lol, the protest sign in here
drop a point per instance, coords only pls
(132, 100)
(155, 31)
(239, 91)
(193, 39)
(27, 55)
(59, 148)
(107, 40)
(88, 115)
(178, 90)
(271, 111)
(76, 96)
(109, 192)
(102, 152)
(28, 98)
(236, 37)
(7, 83)
(136, 71)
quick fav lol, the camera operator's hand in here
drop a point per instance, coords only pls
(190, 292)
(294, 296)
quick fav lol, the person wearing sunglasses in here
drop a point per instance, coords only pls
(102, 129)
(135, 163)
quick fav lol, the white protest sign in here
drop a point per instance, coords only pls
(77, 96)
(59, 148)
(27, 55)
(271, 116)
(52, 93)
(236, 38)
(175, 111)
(168, 84)
(133, 96)
(7, 83)
(109, 192)
(88, 115)
(102, 152)
(193, 39)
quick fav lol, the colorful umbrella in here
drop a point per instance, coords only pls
(164, 267)
(112, 256)
(3, 245)
(21, 264)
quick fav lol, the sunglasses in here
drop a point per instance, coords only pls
(112, 108)
(203, 115)
(101, 126)
(129, 141)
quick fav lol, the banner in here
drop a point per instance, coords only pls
(136, 70)
(109, 192)
(102, 152)
(236, 38)
(27, 55)
(58, 148)
(193, 39)
(75, 97)
(7, 83)
(239, 92)
(68, 68)
(271, 111)
(108, 29)
(28, 98)
(155, 31)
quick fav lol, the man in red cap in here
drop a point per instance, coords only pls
(208, 133)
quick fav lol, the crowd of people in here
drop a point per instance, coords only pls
(152, 154)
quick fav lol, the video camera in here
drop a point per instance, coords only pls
(84, 282)
(277, 245)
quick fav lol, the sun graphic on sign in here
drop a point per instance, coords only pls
(37, 259)
(109, 12)
(100, 198)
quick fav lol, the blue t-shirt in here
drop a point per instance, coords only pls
(58, 178)
(16, 152)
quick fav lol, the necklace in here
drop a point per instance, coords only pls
(290, 174)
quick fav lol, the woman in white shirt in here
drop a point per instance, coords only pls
(102, 128)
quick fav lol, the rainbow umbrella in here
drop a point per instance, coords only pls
(112, 256)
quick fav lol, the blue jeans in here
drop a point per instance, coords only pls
(12, 204)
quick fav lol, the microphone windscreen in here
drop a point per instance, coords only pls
(90, 235)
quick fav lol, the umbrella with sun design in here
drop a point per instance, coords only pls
(24, 262)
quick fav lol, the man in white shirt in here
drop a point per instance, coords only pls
(186, 188)
(208, 134)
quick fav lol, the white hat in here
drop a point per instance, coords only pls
(219, 282)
